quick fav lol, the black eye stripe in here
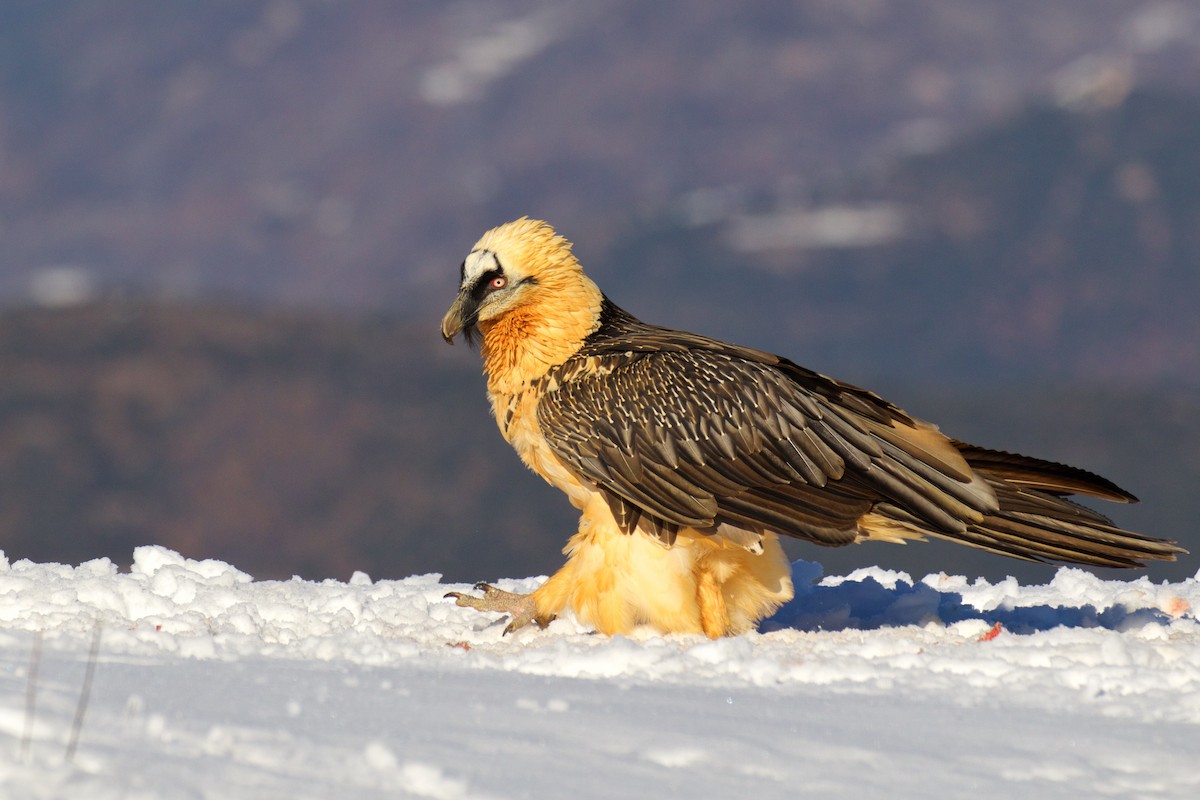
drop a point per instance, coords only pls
(483, 286)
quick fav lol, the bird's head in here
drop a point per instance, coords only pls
(522, 272)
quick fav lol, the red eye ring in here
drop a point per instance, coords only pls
(498, 282)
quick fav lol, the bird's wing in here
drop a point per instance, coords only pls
(686, 431)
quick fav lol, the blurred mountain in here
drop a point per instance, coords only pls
(1054, 244)
(313, 444)
(229, 230)
(287, 443)
(318, 152)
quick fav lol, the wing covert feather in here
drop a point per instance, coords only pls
(702, 437)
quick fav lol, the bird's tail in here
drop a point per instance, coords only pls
(1036, 521)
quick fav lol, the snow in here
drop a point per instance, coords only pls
(209, 684)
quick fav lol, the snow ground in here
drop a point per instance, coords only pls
(211, 685)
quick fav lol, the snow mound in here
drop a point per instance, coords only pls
(220, 675)
(1125, 637)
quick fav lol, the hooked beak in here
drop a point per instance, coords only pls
(460, 316)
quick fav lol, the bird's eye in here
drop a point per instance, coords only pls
(498, 282)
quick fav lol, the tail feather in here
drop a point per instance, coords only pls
(1049, 528)
(1035, 521)
(1048, 476)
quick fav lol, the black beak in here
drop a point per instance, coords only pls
(460, 317)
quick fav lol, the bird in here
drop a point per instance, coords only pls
(689, 457)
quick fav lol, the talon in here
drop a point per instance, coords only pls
(520, 622)
(521, 607)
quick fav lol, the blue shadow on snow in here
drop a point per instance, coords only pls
(867, 604)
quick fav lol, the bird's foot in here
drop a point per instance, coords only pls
(521, 607)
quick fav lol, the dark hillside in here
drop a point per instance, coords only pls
(309, 444)
(280, 442)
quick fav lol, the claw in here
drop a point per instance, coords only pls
(521, 607)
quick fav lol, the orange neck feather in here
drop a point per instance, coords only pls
(525, 343)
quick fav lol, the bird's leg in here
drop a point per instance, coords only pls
(521, 607)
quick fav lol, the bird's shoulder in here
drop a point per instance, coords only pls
(626, 354)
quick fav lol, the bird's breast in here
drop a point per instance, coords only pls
(516, 416)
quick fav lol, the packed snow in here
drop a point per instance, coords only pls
(208, 684)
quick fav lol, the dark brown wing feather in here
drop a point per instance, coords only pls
(688, 431)
(680, 430)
